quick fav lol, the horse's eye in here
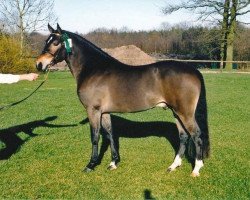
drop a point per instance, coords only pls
(56, 43)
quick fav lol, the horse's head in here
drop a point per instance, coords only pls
(55, 50)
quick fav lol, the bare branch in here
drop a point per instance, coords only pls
(246, 23)
(205, 8)
(243, 13)
(243, 4)
(26, 15)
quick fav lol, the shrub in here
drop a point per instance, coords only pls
(12, 59)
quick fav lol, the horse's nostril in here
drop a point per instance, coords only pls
(39, 66)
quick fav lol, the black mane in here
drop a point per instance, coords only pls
(92, 46)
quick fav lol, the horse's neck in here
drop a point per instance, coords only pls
(86, 57)
(75, 69)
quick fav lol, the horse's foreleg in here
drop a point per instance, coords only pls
(107, 126)
(94, 116)
(183, 141)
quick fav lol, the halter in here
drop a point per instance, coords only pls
(67, 42)
(55, 55)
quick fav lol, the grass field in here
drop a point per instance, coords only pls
(44, 147)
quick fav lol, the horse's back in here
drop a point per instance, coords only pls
(143, 87)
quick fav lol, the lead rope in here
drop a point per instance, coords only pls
(20, 101)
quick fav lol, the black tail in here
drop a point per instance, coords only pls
(201, 118)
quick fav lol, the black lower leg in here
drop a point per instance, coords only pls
(198, 145)
(183, 143)
(114, 154)
(107, 126)
(94, 156)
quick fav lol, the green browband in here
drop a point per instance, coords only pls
(68, 42)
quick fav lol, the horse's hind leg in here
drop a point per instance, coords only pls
(195, 135)
(183, 141)
(107, 126)
(192, 127)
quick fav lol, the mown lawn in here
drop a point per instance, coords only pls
(44, 147)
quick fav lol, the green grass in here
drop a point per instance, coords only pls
(48, 147)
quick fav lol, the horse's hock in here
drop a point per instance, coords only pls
(130, 55)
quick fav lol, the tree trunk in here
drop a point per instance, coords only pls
(21, 39)
(223, 45)
(231, 34)
(229, 65)
(20, 24)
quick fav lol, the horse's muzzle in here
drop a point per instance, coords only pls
(39, 66)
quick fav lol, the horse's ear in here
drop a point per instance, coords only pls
(51, 30)
(59, 30)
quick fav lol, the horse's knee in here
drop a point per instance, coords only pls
(95, 142)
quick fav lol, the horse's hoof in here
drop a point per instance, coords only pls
(195, 174)
(112, 167)
(174, 166)
(87, 170)
(170, 169)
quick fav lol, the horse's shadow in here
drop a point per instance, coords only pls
(130, 129)
(13, 142)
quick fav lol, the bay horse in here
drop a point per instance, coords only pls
(105, 85)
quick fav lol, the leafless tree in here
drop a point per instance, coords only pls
(224, 12)
(25, 16)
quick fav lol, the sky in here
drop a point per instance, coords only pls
(84, 16)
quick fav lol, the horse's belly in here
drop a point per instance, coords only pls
(134, 104)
